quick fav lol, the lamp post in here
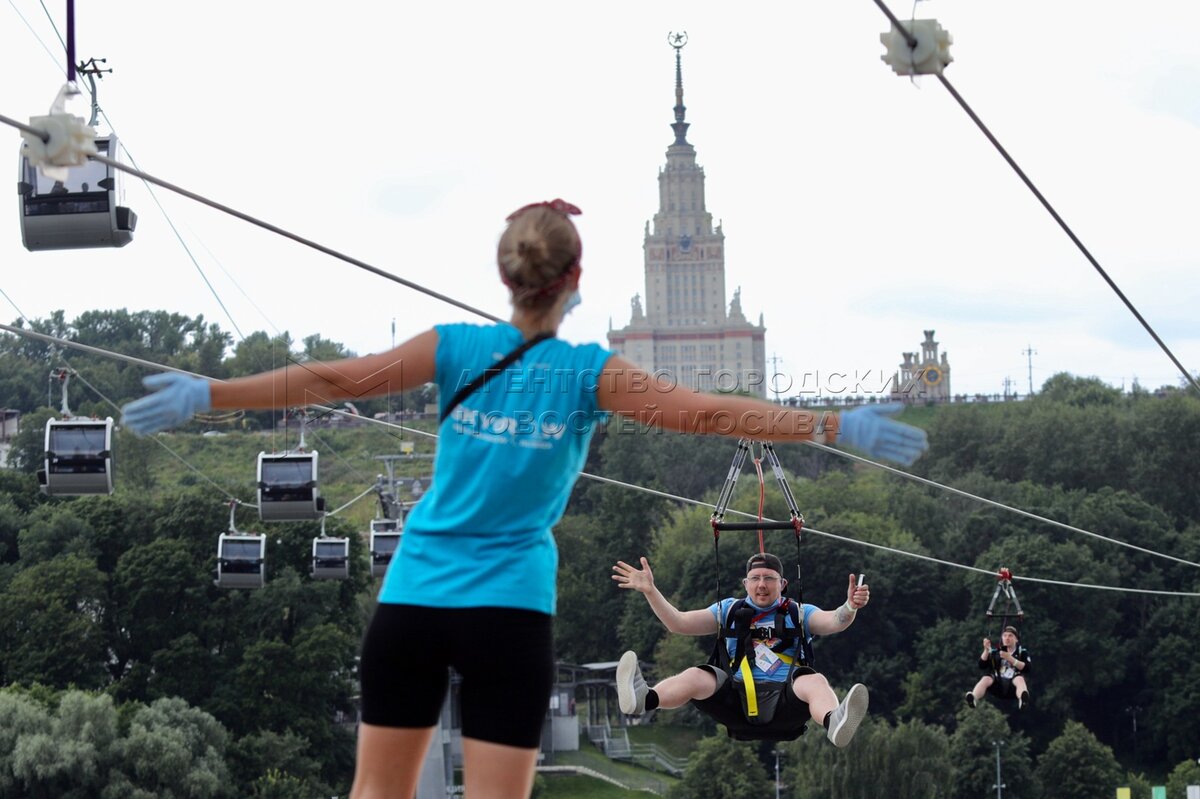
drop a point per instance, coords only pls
(778, 754)
(1133, 711)
(999, 786)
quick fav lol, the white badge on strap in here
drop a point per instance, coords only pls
(766, 660)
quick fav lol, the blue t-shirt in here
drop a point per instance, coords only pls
(507, 459)
(720, 610)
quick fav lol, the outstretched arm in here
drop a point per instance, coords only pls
(689, 622)
(633, 392)
(409, 365)
(177, 397)
(827, 622)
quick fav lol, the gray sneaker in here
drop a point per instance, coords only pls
(848, 715)
(970, 699)
(631, 686)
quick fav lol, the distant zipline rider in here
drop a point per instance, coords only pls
(1010, 663)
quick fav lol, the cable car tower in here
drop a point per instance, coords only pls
(79, 457)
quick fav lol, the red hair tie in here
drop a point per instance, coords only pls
(562, 206)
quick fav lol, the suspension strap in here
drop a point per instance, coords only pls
(762, 498)
(795, 523)
(1007, 595)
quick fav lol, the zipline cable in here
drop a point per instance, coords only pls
(128, 359)
(814, 531)
(157, 440)
(20, 331)
(912, 43)
(994, 503)
(823, 447)
(114, 164)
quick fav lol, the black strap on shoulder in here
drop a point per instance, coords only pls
(493, 370)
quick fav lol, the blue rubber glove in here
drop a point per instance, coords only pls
(868, 428)
(175, 399)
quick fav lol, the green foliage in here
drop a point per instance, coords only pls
(973, 752)
(115, 594)
(1077, 766)
(171, 751)
(910, 760)
(722, 768)
(1185, 774)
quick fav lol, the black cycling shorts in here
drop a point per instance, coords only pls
(505, 657)
(1002, 688)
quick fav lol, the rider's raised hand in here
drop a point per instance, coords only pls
(631, 577)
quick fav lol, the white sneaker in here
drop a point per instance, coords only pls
(848, 715)
(631, 686)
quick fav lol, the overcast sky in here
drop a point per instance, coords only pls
(859, 208)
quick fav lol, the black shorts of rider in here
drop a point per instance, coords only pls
(1002, 688)
(725, 706)
(504, 656)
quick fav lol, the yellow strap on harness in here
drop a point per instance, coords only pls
(748, 682)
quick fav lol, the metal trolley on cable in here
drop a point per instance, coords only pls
(241, 557)
(78, 452)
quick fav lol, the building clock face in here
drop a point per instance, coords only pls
(932, 376)
(685, 242)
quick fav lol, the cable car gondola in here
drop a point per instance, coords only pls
(82, 211)
(79, 458)
(287, 487)
(385, 539)
(330, 558)
(241, 560)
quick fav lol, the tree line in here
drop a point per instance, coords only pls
(112, 596)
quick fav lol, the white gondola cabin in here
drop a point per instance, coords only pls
(330, 558)
(241, 560)
(82, 211)
(79, 458)
(385, 539)
(287, 487)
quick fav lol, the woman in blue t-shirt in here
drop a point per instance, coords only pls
(473, 584)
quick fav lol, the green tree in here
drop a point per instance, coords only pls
(20, 717)
(51, 624)
(1185, 774)
(722, 768)
(255, 756)
(172, 751)
(910, 760)
(28, 452)
(1077, 766)
(973, 753)
(71, 759)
